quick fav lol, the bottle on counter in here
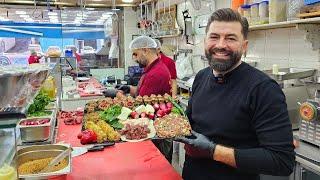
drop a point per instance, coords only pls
(275, 69)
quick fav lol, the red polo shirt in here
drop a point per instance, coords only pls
(170, 65)
(155, 80)
(33, 59)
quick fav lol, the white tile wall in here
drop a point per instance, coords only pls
(285, 47)
(130, 24)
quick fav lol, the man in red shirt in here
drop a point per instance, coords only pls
(156, 76)
(33, 58)
(171, 66)
(154, 80)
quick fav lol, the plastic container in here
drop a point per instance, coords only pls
(264, 12)
(275, 69)
(277, 11)
(308, 2)
(294, 7)
(246, 12)
(254, 13)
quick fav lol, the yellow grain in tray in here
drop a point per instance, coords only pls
(35, 166)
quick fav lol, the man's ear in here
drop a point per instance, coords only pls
(245, 46)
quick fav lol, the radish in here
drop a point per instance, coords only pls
(143, 115)
(156, 106)
(169, 105)
(151, 116)
(163, 106)
(134, 115)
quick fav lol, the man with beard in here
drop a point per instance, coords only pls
(238, 114)
(154, 80)
(156, 77)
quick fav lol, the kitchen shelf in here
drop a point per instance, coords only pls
(285, 24)
(167, 36)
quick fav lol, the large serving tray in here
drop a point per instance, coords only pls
(43, 151)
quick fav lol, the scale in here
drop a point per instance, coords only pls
(309, 111)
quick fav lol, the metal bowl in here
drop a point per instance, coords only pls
(40, 152)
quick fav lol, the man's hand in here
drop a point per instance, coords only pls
(110, 93)
(124, 88)
(199, 141)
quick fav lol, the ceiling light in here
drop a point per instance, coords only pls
(29, 20)
(24, 16)
(52, 13)
(127, 1)
(21, 12)
(53, 17)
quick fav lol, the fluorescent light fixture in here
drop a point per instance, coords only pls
(115, 9)
(21, 12)
(53, 17)
(52, 13)
(105, 17)
(127, 1)
(29, 20)
(24, 16)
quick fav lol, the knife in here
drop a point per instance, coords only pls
(77, 151)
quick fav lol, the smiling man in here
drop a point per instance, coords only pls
(238, 114)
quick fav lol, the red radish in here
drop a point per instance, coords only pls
(134, 115)
(160, 113)
(167, 111)
(156, 107)
(163, 106)
(151, 116)
(143, 115)
(169, 105)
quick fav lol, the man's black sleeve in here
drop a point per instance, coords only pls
(275, 154)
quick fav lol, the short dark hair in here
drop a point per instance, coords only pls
(229, 15)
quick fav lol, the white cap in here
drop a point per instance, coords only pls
(143, 42)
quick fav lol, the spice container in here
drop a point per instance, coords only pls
(293, 9)
(254, 13)
(277, 10)
(264, 12)
(246, 12)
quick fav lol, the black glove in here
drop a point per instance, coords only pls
(198, 141)
(110, 93)
(124, 88)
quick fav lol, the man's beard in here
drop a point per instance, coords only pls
(222, 65)
(142, 62)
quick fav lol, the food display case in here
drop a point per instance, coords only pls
(20, 86)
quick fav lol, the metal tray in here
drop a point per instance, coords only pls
(34, 133)
(291, 73)
(43, 151)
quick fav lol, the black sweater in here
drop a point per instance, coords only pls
(248, 113)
